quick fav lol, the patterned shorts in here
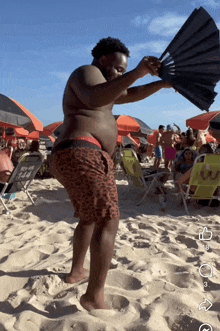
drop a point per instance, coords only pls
(88, 177)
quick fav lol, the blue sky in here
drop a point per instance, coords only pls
(42, 42)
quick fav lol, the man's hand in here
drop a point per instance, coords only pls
(148, 65)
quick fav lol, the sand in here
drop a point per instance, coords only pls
(153, 283)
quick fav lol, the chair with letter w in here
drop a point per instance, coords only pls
(204, 182)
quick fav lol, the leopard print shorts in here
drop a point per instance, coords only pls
(88, 177)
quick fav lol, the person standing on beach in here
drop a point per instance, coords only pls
(82, 155)
(158, 147)
(168, 140)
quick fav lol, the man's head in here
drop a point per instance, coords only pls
(169, 127)
(161, 128)
(111, 57)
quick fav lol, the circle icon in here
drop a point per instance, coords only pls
(205, 327)
(206, 270)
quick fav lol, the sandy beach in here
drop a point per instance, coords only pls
(153, 284)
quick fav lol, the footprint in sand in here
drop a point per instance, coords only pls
(165, 239)
(122, 280)
(141, 244)
(117, 302)
(190, 243)
(180, 279)
(123, 260)
(143, 226)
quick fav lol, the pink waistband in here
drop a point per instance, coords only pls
(90, 140)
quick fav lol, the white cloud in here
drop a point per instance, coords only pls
(63, 75)
(139, 21)
(150, 47)
(167, 25)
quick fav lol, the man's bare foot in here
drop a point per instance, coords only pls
(90, 304)
(75, 277)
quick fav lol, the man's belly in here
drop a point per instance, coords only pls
(102, 128)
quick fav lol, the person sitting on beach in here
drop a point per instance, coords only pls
(35, 147)
(158, 147)
(6, 165)
(190, 139)
(199, 139)
(183, 162)
(9, 149)
(186, 161)
(82, 155)
(184, 179)
(204, 149)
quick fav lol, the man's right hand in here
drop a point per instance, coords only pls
(148, 65)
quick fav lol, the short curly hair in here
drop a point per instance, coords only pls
(109, 45)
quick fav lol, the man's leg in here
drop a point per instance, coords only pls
(158, 163)
(81, 241)
(101, 248)
(166, 163)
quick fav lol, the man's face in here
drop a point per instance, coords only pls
(114, 65)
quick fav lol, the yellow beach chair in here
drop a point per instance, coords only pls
(204, 179)
(134, 174)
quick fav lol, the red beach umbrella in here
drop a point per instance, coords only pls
(201, 122)
(14, 115)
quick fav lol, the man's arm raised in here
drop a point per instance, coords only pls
(138, 93)
(94, 91)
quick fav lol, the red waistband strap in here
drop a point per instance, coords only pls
(90, 140)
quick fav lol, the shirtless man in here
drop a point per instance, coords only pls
(158, 147)
(82, 155)
(168, 140)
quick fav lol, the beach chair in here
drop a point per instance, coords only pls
(135, 176)
(21, 177)
(204, 179)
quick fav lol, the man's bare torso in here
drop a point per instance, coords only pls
(80, 121)
(167, 139)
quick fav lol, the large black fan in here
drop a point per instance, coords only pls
(191, 62)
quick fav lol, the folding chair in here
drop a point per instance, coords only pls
(134, 174)
(204, 179)
(21, 177)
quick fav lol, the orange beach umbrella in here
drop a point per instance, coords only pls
(49, 129)
(201, 122)
(125, 140)
(128, 124)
